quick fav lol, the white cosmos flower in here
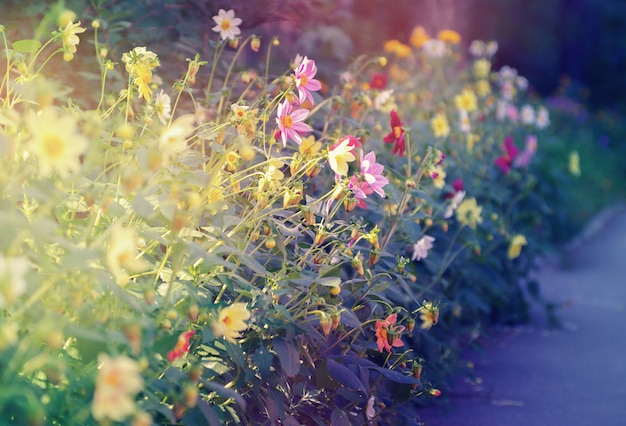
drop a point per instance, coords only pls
(227, 24)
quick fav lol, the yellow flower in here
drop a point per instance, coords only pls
(12, 278)
(515, 247)
(215, 199)
(439, 124)
(55, 143)
(483, 88)
(429, 314)
(122, 253)
(574, 163)
(449, 36)
(117, 383)
(419, 36)
(231, 321)
(69, 38)
(466, 100)
(482, 68)
(469, 213)
(340, 156)
(439, 176)
(139, 64)
(173, 140)
(471, 141)
(309, 146)
(400, 49)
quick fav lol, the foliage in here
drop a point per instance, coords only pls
(240, 247)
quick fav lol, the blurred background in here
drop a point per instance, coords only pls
(581, 42)
(573, 53)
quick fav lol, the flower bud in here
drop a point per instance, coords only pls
(326, 324)
(319, 237)
(410, 324)
(309, 216)
(417, 369)
(335, 319)
(270, 242)
(374, 256)
(357, 263)
(255, 43)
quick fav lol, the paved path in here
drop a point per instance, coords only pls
(575, 376)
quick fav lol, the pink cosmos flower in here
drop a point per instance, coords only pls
(505, 161)
(305, 81)
(372, 173)
(421, 247)
(526, 156)
(182, 346)
(388, 333)
(290, 122)
(396, 135)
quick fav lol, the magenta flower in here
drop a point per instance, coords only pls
(372, 173)
(396, 135)
(505, 161)
(526, 156)
(290, 122)
(369, 180)
(305, 81)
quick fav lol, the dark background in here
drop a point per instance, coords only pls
(545, 40)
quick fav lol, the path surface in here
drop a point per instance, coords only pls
(575, 376)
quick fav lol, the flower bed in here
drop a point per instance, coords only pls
(254, 250)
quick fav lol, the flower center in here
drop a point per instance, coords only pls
(226, 25)
(286, 121)
(53, 146)
(303, 80)
(397, 131)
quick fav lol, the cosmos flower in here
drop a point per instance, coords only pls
(117, 382)
(12, 278)
(182, 346)
(429, 314)
(339, 155)
(440, 126)
(515, 247)
(388, 333)
(505, 161)
(421, 247)
(55, 142)
(231, 321)
(290, 122)
(469, 213)
(227, 24)
(396, 135)
(162, 107)
(456, 199)
(305, 81)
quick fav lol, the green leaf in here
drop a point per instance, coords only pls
(288, 355)
(339, 418)
(344, 376)
(263, 358)
(27, 45)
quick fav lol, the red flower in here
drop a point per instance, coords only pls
(378, 81)
(505, 161)
(396, 135)
(388, 333)
(182, 346)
